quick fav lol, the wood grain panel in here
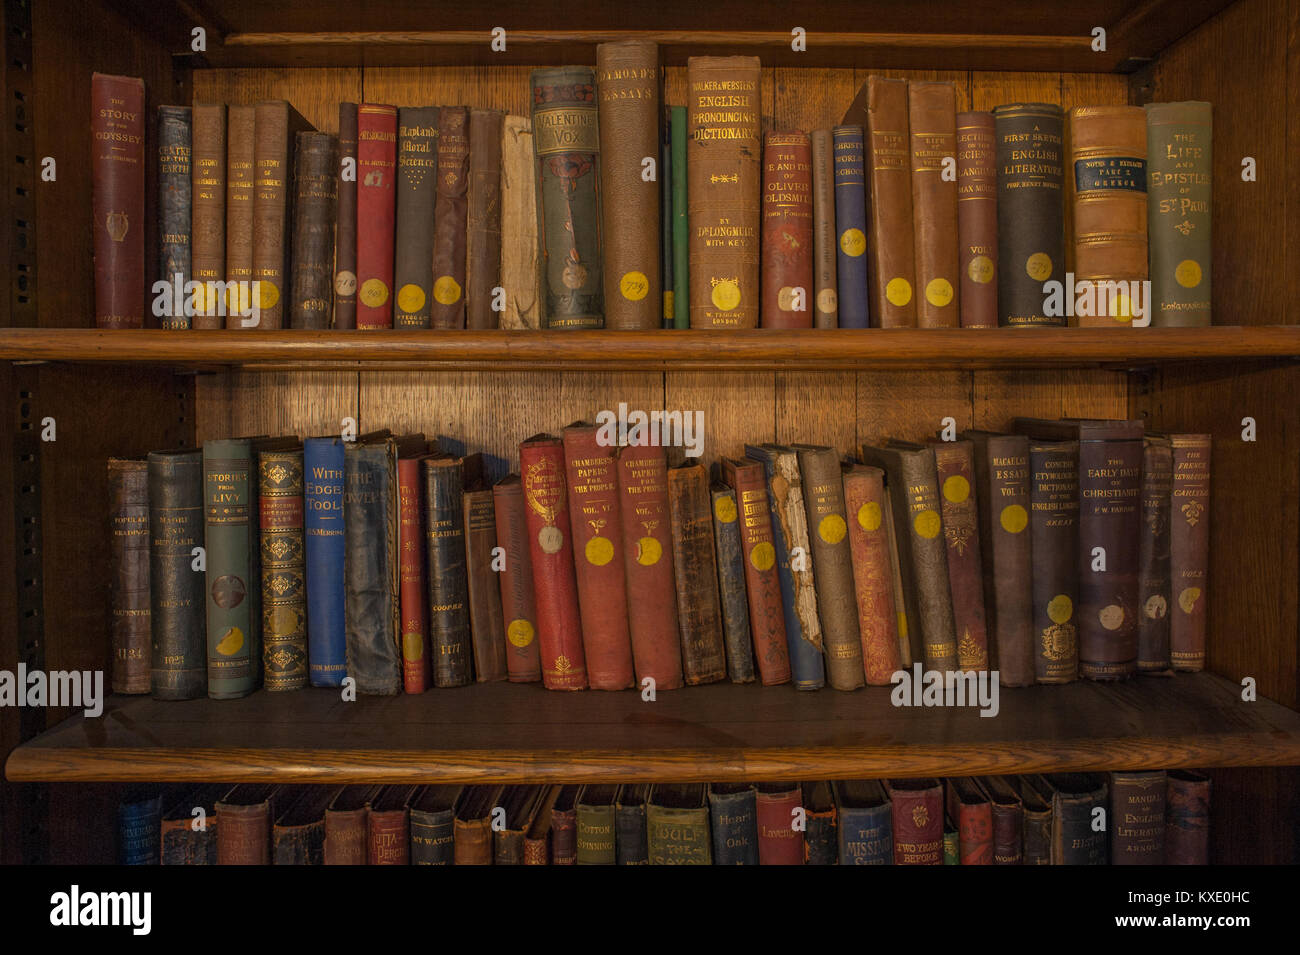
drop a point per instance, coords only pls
(485, 87)
(911, 406)
(302, 403)
(739, 407)
(316, 93)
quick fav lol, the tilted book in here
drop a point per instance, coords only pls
(867, 514)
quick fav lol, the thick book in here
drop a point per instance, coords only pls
(519, 804)
(566, 143)
(190, 837)
(1008, 820)
(596, 824)
(177, 601)
(977, 219)
(820, 842)
(954, 463)
(518, 602)
(776, 806)
(733, 822)
(864, 826)
(1031, 209)
(1153, 555)
(209, 216)
(1054, 546)
(276, 129)
(825, 294)
(417, 648)
(473, 825)
(376, 212)
(648, 565)
(128, 570)
(244, 817)
(627, 89)
(487, 627)
(315, 197)
(117, 203)
(677, 825)
(1036, 824)
(724, 185)
(139, 830)
(1179, 193)
(1137, 818)
(416, 190)
(916, 812)
(519, 256)
(969, 807)
(1187, 818)
(345, 230)
(767, 624)
(630, 843)
(483, 219)
(432, 816)
(555, 586)
(591, 473)
(851, 228)
(298, 832)
(537, 838)
(347, 825)
(240, 178)
(731, 584)
(450, 216)
(932, 122)
(324, 553)
(695, 570)
(866, 513)
(564, 826)
(680, 220)
(230, 537)
(175, 201)
(444, 481)
(1077, 837)
(284, 578)
(1189, 549)
(389, 827)
(786, 276)
(880, 108)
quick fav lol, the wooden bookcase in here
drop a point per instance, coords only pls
(124, 393)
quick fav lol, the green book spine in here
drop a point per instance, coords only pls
(681, 240)
(227, 508)
(666, 219)
(951, 847)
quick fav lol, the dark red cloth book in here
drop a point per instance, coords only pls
(787, 275)
(779, 843)
(970, 809)
(376, 210)
(417, 674)
(518, 604)
(117, 203)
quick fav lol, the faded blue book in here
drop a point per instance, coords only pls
(139, 828)
(323, 526)
(733, 811)
(851, 226)
(865, 831)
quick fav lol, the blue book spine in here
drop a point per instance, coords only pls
(851, 225)
(734, 817)
(139, 826)
(866, 835)
(323, 524)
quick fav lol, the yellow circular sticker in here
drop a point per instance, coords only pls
(1187, 599)
(267, 294)
(520, 633)
(410, 298)
(853, 242)
(648, 551)
(956, 489)
(1111, 616)
(726, 295)
(374, 293)
(634, 286)
(446, 291)
(938, 292)
(1120, 308)
(980, 269)
(412, 646)
(231, 643)
(600, 550)
(763, 556)
(869, 516)
(786, 298)
(205, 300)
(1039, 267)
(832, 529)
(898, 291)
(927, 524)
(827, 300)
(1060, 608)
(1188, 274)
(1013, 518)
(725, 509)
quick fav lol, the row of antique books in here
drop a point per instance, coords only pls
(1067, 548)
(1129, 818)
(606, 208)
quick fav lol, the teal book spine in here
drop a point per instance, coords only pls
(681, 239)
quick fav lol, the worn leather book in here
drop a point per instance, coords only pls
(1054, 545)
(731, 584)
(932, 121)
(473, 824)
(520, 804)
(591, 473)
(724, 183)
(175, 199)
(177, 602)
(820, 844)
(417, 648)
(596, 824)
(1008, 820)
(117, 173)
(779, 842)
(865, 511)
(483, 219)
(923, 559)
(284, 578)
(189, 838)
(208, 213)
(1137, 818)
(677, 825)
(1187, 818)
(977, 219)
(762, 581)
(276, 128)
(1031, 209)
(733, 821)
(627, 87)
(450, 217)
(851, 227)
(233, 627)
(376, 212)
(139, 823)
(244, 817)
(347, 825)
(1110, 488)
(1005, 508)
(487, 627)
(314, 203)
(389, 827)
(819, 466)
(695, 569)
(240, 177)
(969, 807)
(954, 463)
(1179, 186)
(416, 189)
(787, 236)
(630, 843)
(433, 811)
(880, 108)
(789, 520)
(1075, 841)
(680, 220)
(537, 838)
(916, 811)
(1153, 555)
(864, 827)
(324, 550)
(555, 586)
(1189, 549)
(1036, 826)
(345, 231)
(444, 480)
(298, 835)
(648, 565)
(566, 141)
(564, 827)
(518, 603)
(1108, 153)
(519, 255)
(128, 569)
(824, 295)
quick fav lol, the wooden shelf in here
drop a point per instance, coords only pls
(661, 349)
(516, 733)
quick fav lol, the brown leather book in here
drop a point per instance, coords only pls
(1008, 820)
(1137, 818)
(787, 274)
(1187, 818)
(1108, 153)
(699, 613)
(276, 127)
(954, 463)
(519, 268)
(345, 233)
(866, 513)
(1036, 825)
(313, 231)
(1054, 544)
(1153, 556)
(128, 554)
(209, 222)
(723, 188)
(932, 119)
(521, 804)
(473, 824)
(347, 825)
(977, 219)
(483, 219)
(537, 840)
(450, 217)
(417, 190)
(824, 296)
(1189, 549)
(627, 93)
(240, 176)
(244, 825)
(518, 604)
(118, 173)
(487, 628)
(389, 827)
(298, 836)
(564, 827)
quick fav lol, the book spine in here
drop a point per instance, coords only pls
(208, 214)
(851, 226)
(630, 835)
(734, 818)
(432, 837)
(313, 231)
(596, 835)
(1037, 835)
(1054, 545)
(376, 211)
(762, 583)
(518, 605)
(555, 586)
(371, 573)
(345, 230)
(176, 843)
(472, 842)
(232, 657)
(508, 848)
(298, 845)
(873, 573)
(819, 843)
(866, 836)
(1010, 505)
(177, 608)
(1189, 549)
(666, 219)
(680, 221)
(929, 560)
(240, 176)
(389, 840)
(723, 146)
(1187, 819)
(731, 585)
(416, 189)
(592, 481)
(564, 837)
(977, 219)
(975, 834)
(273, 143)
(417, 652)
(284, 583)
(1137, 823)
(117, 172)
(450, 218)
(537, 850)
(1153, 556)
(128, 567)
(566, 141)
(779, 843)
(323, 523)
(627, 85)
(346, 835)
(699, 614)
(1008, 841)
(244, 834)
(932, 119)
(787, 237)
(955, 470)
(449, 633)
(519, 262)
(888, 146)
(175, 200)
(918, 826)
(139, 828)
(1074, 841)
(678, 836)
(825, 297)
(951, 846)
(483, 219)
(487, 628)
(1031, 210)
(1179, 186)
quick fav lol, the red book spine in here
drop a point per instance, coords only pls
(346, 836)
(117, 173)
(376, 207)
(598, 558)
(787, 231)
(417, 672)
(1189, 549)
(518, 605)
(954, 463)
(390, 838)
(779, 843)
(873, 573)
(555, 586)
(975, 834)
(648, 565)
(763, 586)
(917, 812)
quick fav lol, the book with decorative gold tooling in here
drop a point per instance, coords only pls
(1179, 193)
(1189, 549)
(451, 215)
(275, 130)
(284, 581)
(958, 496)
